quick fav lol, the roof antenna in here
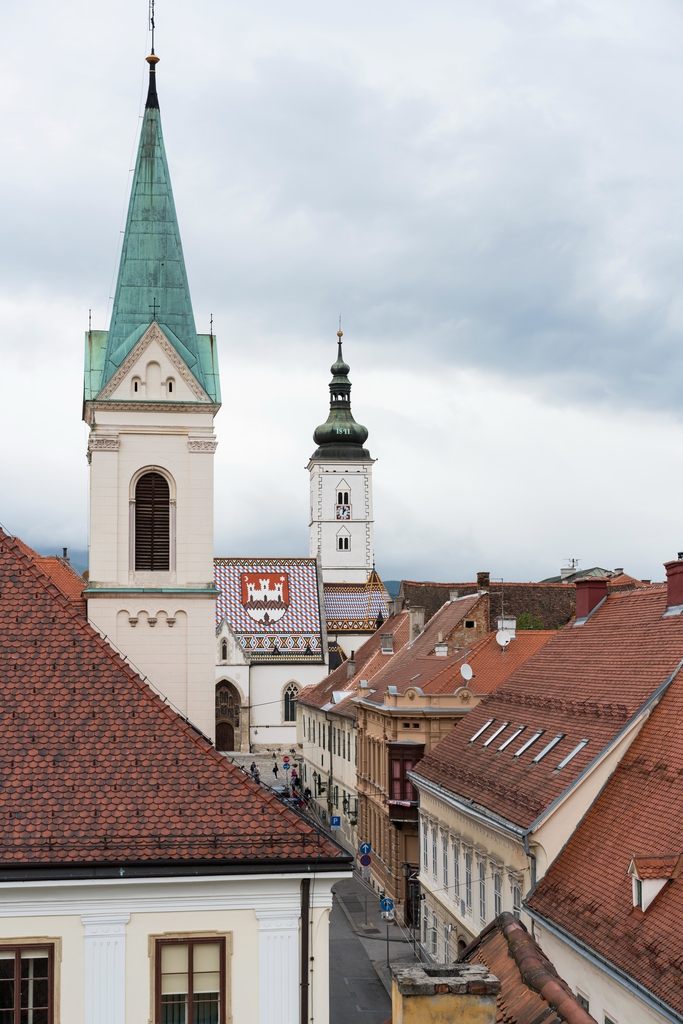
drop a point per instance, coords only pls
(211, 327)
(90, 321)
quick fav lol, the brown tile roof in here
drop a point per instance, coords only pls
(552, 603)
(493, 664)
(95, 768)
(531, 990)
(587, 891)
(586, 683)
(61, 573)
(658, 867)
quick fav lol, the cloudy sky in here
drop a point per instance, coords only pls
(490, 193)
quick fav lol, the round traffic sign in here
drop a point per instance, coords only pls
(286, 766)
(365, 848)
(366, 860)
(285, 760)
(386, 904)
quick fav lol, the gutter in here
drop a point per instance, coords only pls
(470, 808)
(633, 986)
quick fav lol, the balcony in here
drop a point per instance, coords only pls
(402, 810)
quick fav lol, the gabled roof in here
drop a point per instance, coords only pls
(62, 574)
(656, 867)
(552, 603)
(585, 684)
(587, 891)
(97, 769)
(531, 991)
(290, 629)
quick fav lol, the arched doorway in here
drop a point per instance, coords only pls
(228, 718)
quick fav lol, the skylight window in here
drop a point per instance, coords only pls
(480, 731)
(548, 747)
(569, 756)
(496, 733)
(514, 736)
(525, 746)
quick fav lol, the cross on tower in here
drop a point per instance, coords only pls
(154, 306)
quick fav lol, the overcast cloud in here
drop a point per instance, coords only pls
(490, 193)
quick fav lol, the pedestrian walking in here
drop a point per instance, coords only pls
(275, 770)
(252, 768)
(257, 775)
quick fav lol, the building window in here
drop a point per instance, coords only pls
(224, 650)
(401, 762)
(425, 857)
(482, 890)
(434, 936)
(344, 744)
(639, 893)
(291, 694)
(343, 543)
(189, 976)
(387, 640)
(582, 1001)
(26, 985)
(342, 497)
(227, 718)
(456, 871)
(497, 893)
(152, 523)
(608, 1020)
(468, 880)
(435, 866)
(446, 944)
(425, 927)
(170, 386)
(444, 847)
(469, 624)
(517, 901)
(336, 796)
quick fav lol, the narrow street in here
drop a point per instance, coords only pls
(356, 990)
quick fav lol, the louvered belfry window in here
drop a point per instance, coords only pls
(152, 523)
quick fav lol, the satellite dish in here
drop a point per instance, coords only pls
(466, 672)
(503, 637)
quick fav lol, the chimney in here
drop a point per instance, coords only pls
(483, 582)
(589, 593)
(443, 994)
(65, 554)
(674, 582)
(453, 595)
(351, 666)
(417, 621)
(441, 649)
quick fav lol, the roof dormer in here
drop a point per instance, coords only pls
(650, 874)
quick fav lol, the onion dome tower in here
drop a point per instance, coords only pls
(341, 523)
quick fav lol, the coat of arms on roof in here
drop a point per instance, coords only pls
(265, 595)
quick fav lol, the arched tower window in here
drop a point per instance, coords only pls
(152, 523)
(291, 693)
(224, 650)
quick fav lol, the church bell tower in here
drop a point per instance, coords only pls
(341, 523)
(150, 397)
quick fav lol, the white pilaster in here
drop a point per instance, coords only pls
(105, 968)
(278, 966)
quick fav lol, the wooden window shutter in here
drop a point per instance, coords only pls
(152, 523)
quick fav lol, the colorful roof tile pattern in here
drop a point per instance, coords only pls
(272, 605)
(587, 891)
(355, 607)
(571, 700)
(95, 768)
(531, 991)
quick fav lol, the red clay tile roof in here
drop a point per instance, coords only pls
(585, 683)
(96, 768)
(587, 891)
(60, 572)
(552, 603)
(658, 867)
(531, 990)
(493, 664)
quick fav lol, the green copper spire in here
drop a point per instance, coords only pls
(340, 437)
(152, 282)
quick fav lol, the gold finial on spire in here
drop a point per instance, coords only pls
(152, 60)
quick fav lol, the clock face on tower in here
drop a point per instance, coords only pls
(342, 511)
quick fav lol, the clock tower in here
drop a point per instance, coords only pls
(341, 523)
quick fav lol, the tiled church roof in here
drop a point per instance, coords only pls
(355, 607)
(296, 636)
(95, 768)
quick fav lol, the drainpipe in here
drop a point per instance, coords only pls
(330, 804)
(305, 948)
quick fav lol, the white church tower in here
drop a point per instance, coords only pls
(151, 394)
(341, 523)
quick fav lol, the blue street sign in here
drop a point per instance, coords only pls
(335, 821)
(286, 766)
(365, 848)
(386, 905)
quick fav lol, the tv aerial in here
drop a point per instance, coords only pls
(466, 672)
(503, 638)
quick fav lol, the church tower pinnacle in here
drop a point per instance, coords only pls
(150, 396)
(341, 522)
